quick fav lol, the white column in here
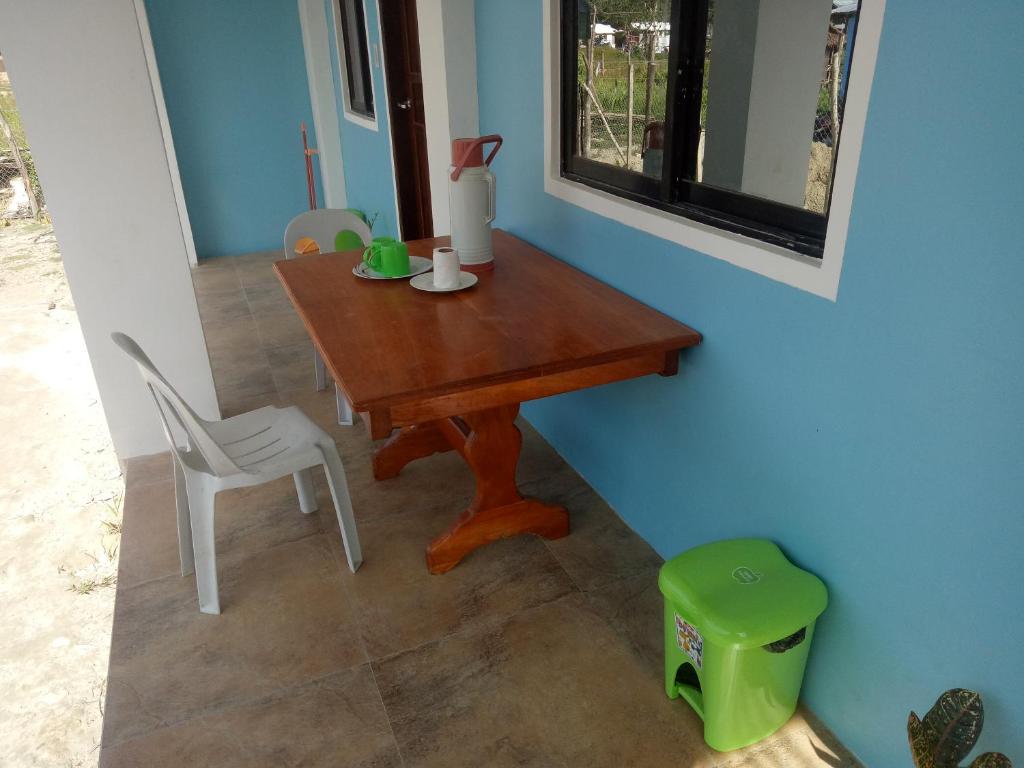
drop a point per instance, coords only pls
(733, 41)
(767, 59)
(316, 45)
(79, 72)
(447, 30)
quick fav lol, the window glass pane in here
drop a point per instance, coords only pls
(774, 82)
(622, 74)
(357, 71)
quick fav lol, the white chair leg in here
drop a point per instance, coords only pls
(307, 494)
(201, 505)
(184, 522)
(342, 505)
(344, 409)
(320, 370)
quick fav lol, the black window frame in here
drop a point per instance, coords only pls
(358, 77)
(786, 226)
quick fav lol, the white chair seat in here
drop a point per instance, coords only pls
(269, 440)
(245, 450)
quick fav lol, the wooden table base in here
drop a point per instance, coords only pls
(490, 443)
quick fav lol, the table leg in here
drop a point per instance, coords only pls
(491, 448)
(406, 445)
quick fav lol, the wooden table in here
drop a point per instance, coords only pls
(450, 370)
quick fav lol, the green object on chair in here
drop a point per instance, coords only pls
(739, 619)
(347, 240)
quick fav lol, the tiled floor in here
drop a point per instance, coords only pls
(530, 653)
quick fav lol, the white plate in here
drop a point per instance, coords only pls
(426, 282)
(417, 266)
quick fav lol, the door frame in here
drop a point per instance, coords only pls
(451, 111)
(449, 75)
(391, 125)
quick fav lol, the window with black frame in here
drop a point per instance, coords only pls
(356, 56)
(728, 112)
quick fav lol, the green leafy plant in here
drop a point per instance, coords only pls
(947, 734)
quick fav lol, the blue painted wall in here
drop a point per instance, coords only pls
(234, 80)
(366, 154)
(878, 439)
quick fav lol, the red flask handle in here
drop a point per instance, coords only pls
(493, 138)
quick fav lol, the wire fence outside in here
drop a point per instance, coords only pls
(21, 195)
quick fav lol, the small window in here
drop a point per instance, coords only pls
(728, 112)
(355, 52)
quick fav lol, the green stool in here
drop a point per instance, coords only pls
(739, 618)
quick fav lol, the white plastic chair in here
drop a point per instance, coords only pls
(250, 449)
(323, 226)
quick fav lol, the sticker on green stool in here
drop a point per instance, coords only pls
(690, 641)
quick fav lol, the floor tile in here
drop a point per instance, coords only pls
(223, 305)
(537, 459)
(281, 329)
(257, 258)
(227, 336)
(214, 279)
(215, 262)
(267, 298)
(401, 605)
(238, 362)
(286, 620)
(633, 607)
(249, 520)
(600, 547)
(337, 722)
(800, 743)
(292, 366)
(552, 686)
(236, 385)
(149, 534)
(156, 468)
(257, 269)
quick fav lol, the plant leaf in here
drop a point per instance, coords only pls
(992, 760)
(921, 742)
(955, 722)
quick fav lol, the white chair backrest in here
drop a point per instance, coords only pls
(214, 460)
(323, 226)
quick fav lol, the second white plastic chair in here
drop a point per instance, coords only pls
(250, 449)
(323, 227)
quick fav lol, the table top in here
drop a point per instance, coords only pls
(387, 343)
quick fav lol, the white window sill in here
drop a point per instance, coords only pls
(772, 261)
(369, 123)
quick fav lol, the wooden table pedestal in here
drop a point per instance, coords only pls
(490, 442)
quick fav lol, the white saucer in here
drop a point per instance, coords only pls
(426, 283)
(417, 266)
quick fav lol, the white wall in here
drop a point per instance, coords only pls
(732, 66)
(447, 30)
(788, 65)
(79, 73)
(767, 59)
(315, 30)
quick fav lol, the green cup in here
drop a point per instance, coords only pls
(388, 257)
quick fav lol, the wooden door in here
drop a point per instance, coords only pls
(408, 126)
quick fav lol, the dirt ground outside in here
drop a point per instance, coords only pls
(60, 512)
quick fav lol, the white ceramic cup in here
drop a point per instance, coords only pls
(446, 268)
